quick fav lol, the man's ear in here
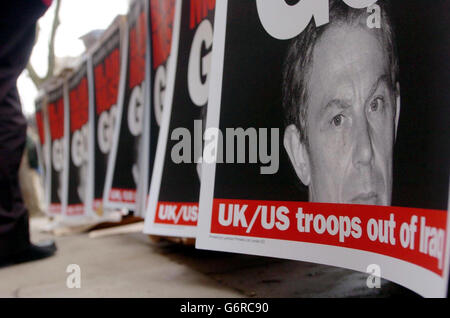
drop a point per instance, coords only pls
(397, 107)
(297, 154)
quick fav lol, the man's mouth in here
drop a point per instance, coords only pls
(365, 198)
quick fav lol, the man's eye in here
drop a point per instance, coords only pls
(377, 104)
(337, 120)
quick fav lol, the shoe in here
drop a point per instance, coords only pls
(33, 252)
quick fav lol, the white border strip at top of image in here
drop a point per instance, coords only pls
(150, 227)
(404, 273)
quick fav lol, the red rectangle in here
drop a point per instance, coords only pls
(138, 37)
(177, 213)
(122, 195)
(378, 229)
(106, 79)
(162, 14)
(79, 105)
(75, 209)
(55, 208)
(40, 126)
(56, 119)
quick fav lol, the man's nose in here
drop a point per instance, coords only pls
(363, 150)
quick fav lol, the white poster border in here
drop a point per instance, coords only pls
(150, 227)
(414, 277)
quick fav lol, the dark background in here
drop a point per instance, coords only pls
(101, 159)
(54, 96)
(42, 140)
(421, 162)
(154, 46)
(251, 97)
(74, 179)
(180, 182)
(128, 145)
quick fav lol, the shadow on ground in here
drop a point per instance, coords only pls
(255, 276)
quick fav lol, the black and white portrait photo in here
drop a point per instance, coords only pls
(341, 99)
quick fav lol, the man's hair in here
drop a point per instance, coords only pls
(299, 59)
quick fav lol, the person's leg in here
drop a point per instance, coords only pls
(14, 234)
(17, 32)
(15, 245)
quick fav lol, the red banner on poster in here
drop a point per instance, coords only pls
(413, 235)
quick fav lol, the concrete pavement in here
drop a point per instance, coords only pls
(130, 265)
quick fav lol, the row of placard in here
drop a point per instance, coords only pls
(95, 123)
(260, 127)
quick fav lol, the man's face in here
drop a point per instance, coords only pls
(350, 119)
